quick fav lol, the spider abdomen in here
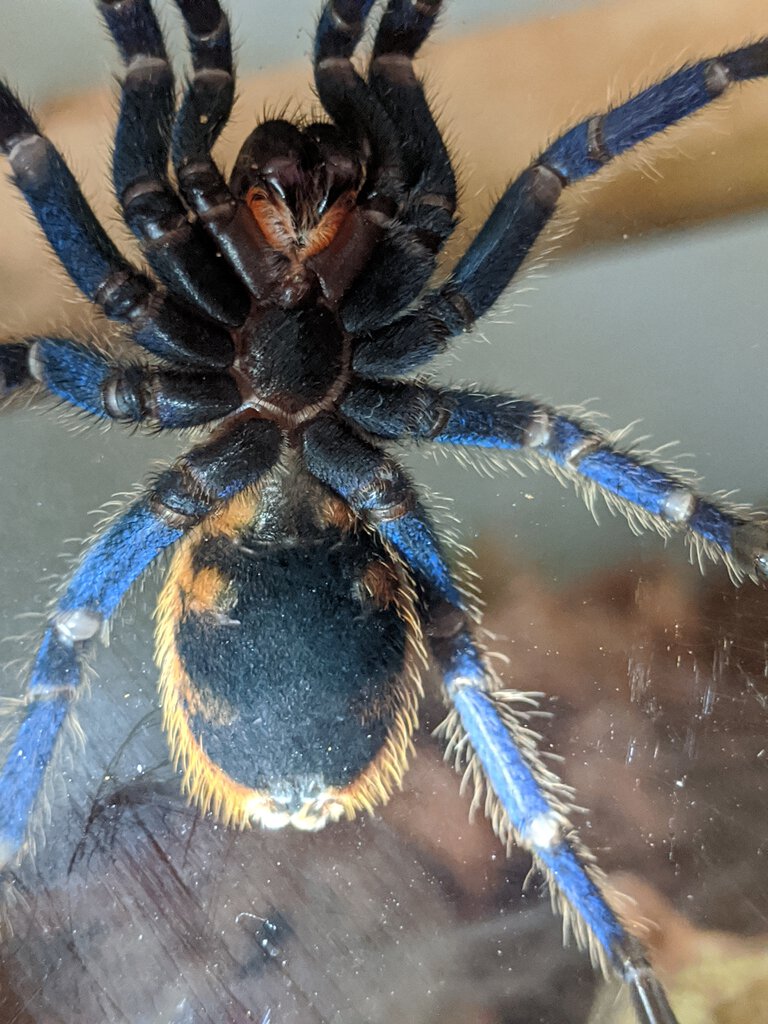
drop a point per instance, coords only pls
(270, 720)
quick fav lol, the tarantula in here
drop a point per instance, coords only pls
(288, 306)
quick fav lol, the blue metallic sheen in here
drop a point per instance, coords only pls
(24, 770)
(118, 557)
(523, 800)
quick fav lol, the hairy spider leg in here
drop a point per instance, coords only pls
(156, 321)
(204, 110)
(108, 389)
(404, 256)
(573, 451)
(406, 259)
(180, 253)
(355, 109)
(501, 245)
(210, 47)
(211, 91)
(14, 367)
(181, 497)
(431, 182)
(485, 731)
(528, 803)
(349, 101)
(399, 265)
(376, 487)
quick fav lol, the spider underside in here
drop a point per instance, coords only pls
(289, 307)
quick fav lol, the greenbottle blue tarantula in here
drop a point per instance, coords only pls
(288, 306)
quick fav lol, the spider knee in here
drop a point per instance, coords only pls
(144, 68)
(450, 640)
(77, 625)
(214, 79)
(544, 832)
(446, 623)
(28, 155)
(384, 497)
(538, 431)
(176, 499)
(347, 26)
(750, 545)
(678, 506)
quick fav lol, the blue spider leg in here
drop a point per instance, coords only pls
(377, 488)
(182, 496)
(646, 494)
(89, 256)
(132, 392)
(180, 253)
(514, 224)
(485, 730)
(487, 735)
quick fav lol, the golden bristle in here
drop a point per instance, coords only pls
(335, 512)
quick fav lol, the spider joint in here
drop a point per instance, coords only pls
(717, 77)
(78, 625)
(538, 432)
(596, 147)
(546, 186)
(585, 446)
(349, 28)
(214, 78)
(26, 152)
(679, 505)
(750, 545)
(544, 832)
(144, 67)
(35, 362)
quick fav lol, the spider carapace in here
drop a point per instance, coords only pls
(288, 307)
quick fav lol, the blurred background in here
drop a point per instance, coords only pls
(69, 50)
(647, 298)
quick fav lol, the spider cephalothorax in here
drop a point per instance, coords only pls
(288, 306)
